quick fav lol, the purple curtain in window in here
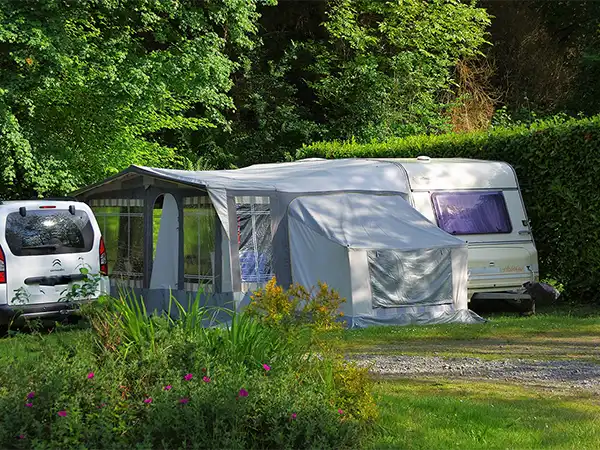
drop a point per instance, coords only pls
(471, 212)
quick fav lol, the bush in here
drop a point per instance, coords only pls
(296, 307)
(317, 309)
(157, 382)
(558, 165)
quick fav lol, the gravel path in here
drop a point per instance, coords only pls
(575, 374)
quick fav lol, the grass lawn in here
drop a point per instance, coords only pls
(560, 334)
(433, 414)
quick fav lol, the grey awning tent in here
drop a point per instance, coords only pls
(391, 264)
(349, 217)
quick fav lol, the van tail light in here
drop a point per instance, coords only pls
(2, 267)
(103, 258)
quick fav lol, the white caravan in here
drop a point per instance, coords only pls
(44, 245)
(479, 202)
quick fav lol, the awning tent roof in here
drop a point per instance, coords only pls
(369, 221)
(296, 177)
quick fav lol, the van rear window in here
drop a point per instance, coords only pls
(49, 232)
(471, 212)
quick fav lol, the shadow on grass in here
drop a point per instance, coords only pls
(429, 414)
(502, 328)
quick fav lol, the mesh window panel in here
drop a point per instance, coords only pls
(122, 225)
(255, 239)
(419, 277)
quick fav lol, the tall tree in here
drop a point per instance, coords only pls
(341, 69)
(547, 55)
(89, 86)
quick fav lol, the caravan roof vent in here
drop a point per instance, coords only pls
(423, 158)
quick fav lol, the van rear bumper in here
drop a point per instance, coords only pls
(50, 311)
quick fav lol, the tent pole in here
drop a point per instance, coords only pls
(181, 255)
(218, 274)
(148, 235)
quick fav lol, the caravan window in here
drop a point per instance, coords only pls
(471, 212)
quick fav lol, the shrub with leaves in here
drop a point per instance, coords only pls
(297, 306)
(166, 382)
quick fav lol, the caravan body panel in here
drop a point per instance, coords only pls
(502, 252)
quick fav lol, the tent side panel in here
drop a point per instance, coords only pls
(218, 197)
(460, 277)
(362, 297)
(315, 258)
(226, 272)
(416, 315)
(165, 267)
(281, 244)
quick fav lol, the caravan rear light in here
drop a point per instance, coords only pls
(48, 207)
(2, 267)
(103, 258)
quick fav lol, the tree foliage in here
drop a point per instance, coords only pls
(386, 64)
(546, 55)
(367, 69)
(90, 86)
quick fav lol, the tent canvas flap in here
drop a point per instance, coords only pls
(370, 221)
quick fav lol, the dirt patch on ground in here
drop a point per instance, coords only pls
(562, 374)
(543, 348)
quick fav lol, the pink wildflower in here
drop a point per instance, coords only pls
(184, 401)
(266, 367)
(29, 405)
(90, 375)
(206, 379)
(294, 415)
(243, 393)
(31, 395)
(21, 436)
(62, 413)
(168, 387)
(341, 411)
(188, 377)
(148, 400)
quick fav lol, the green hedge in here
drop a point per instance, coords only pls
(558, 165)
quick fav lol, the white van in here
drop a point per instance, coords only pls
(481, 203)
(47, 247)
